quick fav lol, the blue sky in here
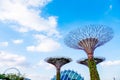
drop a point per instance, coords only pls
(32, 30)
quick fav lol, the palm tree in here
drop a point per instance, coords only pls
(85, 61)
(58, 62)
(88, 38)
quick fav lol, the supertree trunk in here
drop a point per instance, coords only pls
(93, 69)
(88, 45)
(89, 62)
(58, 74)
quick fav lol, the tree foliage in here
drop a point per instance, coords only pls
(11, 77)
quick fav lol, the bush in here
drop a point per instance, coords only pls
(11, 76)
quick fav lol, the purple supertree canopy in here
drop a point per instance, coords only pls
(89, 36)
(58, 61)
(96, 59)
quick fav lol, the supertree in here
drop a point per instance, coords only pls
(88, 38)
(85, 61)
(58, 62)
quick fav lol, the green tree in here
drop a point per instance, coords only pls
(11, 76)
(7, 75)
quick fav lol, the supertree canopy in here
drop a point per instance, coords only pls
(58, 62)
(69, 75)
(96, 59)
(88, 37)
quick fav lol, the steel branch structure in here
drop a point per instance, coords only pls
(89, 37)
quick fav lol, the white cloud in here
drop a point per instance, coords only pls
(45, 65)
(109, 9)
(39, 77)
(110, 6)
(18, 41)
(110, 63)
(4, 44)
(44, 44)
(36, 3)
(26, 16)
(8, 59)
